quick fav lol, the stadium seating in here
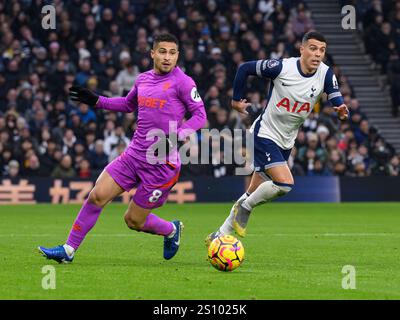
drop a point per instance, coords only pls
(105, 46)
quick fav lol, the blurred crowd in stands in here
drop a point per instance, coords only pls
(380, 25)
(104, 45)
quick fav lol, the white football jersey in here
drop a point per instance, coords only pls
(292, 97)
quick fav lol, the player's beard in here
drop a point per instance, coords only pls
(167, 69)
(164, 69)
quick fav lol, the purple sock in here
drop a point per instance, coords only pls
(85, 221)
(156, 225)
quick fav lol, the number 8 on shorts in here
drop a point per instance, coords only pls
(156, 195)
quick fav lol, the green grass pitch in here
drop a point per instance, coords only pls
(292, 251)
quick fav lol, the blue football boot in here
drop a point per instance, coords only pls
(57, 253)
(171, 245)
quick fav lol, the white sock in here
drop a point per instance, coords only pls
(173, 231)
(69, 250)
(227, 226)
(266, 191)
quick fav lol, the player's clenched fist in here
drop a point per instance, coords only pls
(342, 111)
(241, 105)
(83, 95)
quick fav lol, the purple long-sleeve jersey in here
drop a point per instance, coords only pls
(161, 100)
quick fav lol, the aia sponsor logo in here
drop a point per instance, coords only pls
(297, 107)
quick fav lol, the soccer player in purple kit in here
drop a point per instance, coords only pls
(162, 96)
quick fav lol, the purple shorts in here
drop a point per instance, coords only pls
(153, 181)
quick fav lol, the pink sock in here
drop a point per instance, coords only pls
(84, 222)
(156, 225)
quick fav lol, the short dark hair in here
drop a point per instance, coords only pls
(313, 35)
(165, 37)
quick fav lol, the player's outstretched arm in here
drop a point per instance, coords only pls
(120, 104)
(263, 68)
(239, 83)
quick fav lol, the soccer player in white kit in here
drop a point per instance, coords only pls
(296, 85)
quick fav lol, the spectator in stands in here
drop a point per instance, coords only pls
(359, 169)
(383, 42)
(394, 166)
(33, 168)
(394, 80)
(84, 170)
(356, 113)
(311, 152)
(12, 169)
(311, 122)
(127, 77)
(79, 150)
(113, 140)
(294, 164)
(64, 169)
(69, 140)
(117, 149)
(363, 151)
(339, 169)
(6, 157)
(48, 159)
(323, 135)
(76, 125)
(361, 133)
(86, 114)
(56, 80)
(301, 140)
(318, 169)
(372, 34)
(98, 158)
(301, 23)
(380, 156)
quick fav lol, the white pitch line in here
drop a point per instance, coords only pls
(122, 235)
(56, 235)
(337, 234)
